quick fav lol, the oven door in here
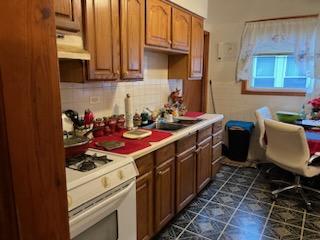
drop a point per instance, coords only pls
(110, 217)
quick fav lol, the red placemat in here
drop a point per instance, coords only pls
(193, 114)
(131, 145)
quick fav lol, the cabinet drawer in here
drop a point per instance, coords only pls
(216, 152)
(204, 133)
(217, 138)
(145, 163)
(215, 167)
(217, 127)
(165, 153)
(186, 143)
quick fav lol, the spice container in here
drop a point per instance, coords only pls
(112, 124)
(121, 122)
(98, 123)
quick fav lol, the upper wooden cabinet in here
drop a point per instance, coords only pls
(103, 39)
(181, 29)
(132, 38)
(158, 23)
(68, 15)
(196, 51)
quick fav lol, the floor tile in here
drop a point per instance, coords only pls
(247, 172)
(206, 227)
(186, 235)
(169, 233)
(283, 231)
(287, 215)
(218, 212)
(183, 218)
(196, 205)
(245, 181)
(263, 185)
(250, 222)
(284, 201)
(259, 195)
(229, 169)
(235, 233)
(312, 222)
(227, 199)
(235, 189)
(310, 235)
(216, 184)
(222, 176)
(255, 207)
(208, 193)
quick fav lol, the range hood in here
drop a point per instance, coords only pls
(71, 47)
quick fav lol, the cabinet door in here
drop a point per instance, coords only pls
(132, 38)
(204, 163)
(196, 51)
(68, 15)
(186, 178)
(181, 30)
(103, 39)
(145, 206)
(158, 23)
(164, 192)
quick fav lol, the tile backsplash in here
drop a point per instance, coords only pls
(107, 98)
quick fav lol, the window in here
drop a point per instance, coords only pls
(277, 72)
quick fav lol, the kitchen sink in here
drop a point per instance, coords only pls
(175, 126)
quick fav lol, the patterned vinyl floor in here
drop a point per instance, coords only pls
(237, 205)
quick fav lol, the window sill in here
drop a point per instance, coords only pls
(245, 90)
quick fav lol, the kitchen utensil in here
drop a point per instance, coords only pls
(67, 124)
(74, 116)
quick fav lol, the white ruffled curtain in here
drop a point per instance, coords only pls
(290, 36)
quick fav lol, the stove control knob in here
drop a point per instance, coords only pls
(69, 200)
(105, 182)
(121, 175)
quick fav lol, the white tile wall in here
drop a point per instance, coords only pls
(153, 92)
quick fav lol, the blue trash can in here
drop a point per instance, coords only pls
(239, 133)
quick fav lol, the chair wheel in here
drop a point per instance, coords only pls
(274, 197)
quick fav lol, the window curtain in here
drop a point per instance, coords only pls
(288, 36)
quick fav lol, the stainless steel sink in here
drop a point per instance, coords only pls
(165, 126)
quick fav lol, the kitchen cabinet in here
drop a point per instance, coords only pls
(186, 177)
(132, 38)
(164, 189)
(196, 51)
(217, 139)
(103, 39)
(181, 29)
(68, 15)
(158, 23)
(204, 163)
(145, 197)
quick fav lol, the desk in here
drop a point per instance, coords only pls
(313, 138)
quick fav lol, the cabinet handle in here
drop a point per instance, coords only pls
(60, 35)
(69, 200)
(160, 173)
(169, 41)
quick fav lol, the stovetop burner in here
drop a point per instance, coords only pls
(86, 162)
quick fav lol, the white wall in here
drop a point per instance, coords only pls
(199, 7)
(225, 22)
(152, 92)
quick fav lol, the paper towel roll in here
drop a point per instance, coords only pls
(129, 113)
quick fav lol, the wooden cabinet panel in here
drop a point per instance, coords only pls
(145, 164)
(164, 192)
(103, 39)
(196, 51)
(181, 30)
(217, 138)
(68, 15)
(217, 126)
(204, 133)
(215, 167)
(185, 178)
(216, 151)
(163, 154)
(186, 143)
(204, 159)
(132, 38)
(158, 23)
(145, 207)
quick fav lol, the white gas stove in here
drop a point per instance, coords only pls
(102, 196)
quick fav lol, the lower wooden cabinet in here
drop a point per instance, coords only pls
(204, 163)
(185, 178)
(145, 199)
(164, 192)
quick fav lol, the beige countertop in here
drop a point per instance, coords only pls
(209, 119)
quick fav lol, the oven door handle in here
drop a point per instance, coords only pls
(102, 205)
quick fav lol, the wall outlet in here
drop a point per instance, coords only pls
(95, 99)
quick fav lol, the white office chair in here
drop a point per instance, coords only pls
(288, 149)
(262, 114)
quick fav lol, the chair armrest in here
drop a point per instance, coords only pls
(313, 157)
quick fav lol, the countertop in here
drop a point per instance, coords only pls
(209, 119)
